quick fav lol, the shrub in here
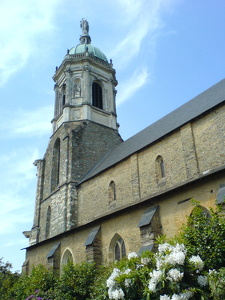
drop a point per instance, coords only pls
(7, 280)
(76, 281)
(204, 235)
(167, 275)
(217, 284)
(39, 285)
(100, 291)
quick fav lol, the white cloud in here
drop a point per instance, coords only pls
(22, 22)
(142, 25)
(132, 85)
(141, 19)
(27, 123)
(17, 188)
(14, 242)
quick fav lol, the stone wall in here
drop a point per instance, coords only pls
(187, 154)
(82, 144)
(194, 158)
(173, 209)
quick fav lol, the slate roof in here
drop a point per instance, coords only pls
(197, 106)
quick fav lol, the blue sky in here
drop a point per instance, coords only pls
(165, 52)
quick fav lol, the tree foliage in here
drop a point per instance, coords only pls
(76, 281)
(7, 279)
(204, 235)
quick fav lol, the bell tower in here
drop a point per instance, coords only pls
(85, 85)
(84, 130)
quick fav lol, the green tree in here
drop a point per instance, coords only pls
(41, 283)
(7, 280)
(76, 281)
(204, 235)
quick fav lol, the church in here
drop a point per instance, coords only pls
(99, 197)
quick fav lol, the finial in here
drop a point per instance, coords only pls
(85, 38)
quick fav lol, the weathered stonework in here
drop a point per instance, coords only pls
(94, 189)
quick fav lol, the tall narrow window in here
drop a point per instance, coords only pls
(97, 95)
(55, 165)
(66, 258)
(120, 250)
(112, 191)
(48, 222)
(64, 94)
(160, 168)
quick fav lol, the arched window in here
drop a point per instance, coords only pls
(120, 250)
(117, 249)
(66, 258)
(97, 95)
(199, 210)
(112, 191)
(55, 165)
(160, 168)
(48, 222)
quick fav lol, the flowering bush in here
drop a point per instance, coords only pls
(167, 275)
(129, 277)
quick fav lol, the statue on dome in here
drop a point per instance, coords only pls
(84, 26)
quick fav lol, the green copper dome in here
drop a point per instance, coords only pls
(82, 48)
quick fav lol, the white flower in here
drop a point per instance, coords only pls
(116, 294)
(152, 286)
(132, 255)
(164, 247)
(202, 280)
(139, 266)
(156, 276)
(180, 247)
(145, 260)
(183, 296)
(176, 258)
(160, 262)
(110, 282)
(175, 275)
(169, 254)
(127, 271)
(176, 297)
(127, 282)
(197, 261)
(164, 297)
(186, 295)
